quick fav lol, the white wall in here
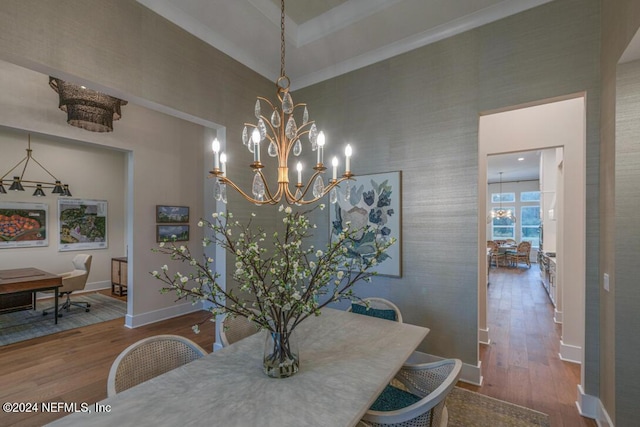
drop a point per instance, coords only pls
(551, 125)
(164, 165)
(92, 172)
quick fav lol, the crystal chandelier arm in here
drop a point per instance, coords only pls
(292, 199)
(227, 181)
(271, 199)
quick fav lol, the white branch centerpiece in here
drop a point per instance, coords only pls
(281, 281)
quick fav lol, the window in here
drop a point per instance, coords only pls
(530, 196)
(503, 197)
(503, 228)
(530, 224)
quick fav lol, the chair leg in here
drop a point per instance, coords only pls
(66, 305)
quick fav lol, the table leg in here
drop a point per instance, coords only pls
(55, 292)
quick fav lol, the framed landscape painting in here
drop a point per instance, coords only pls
(23, 225)
(172, 214)
(82, 224)
(373, 201)
(167, 233)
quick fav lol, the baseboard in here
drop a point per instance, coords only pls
(557, 316)
(483, 336)
(470, 374)
(570, 353)
(90, 287)
(591, 407)
(161, 314)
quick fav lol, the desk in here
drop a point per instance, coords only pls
(346, 360)
(30, 280)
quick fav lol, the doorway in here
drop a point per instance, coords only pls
(546, 124)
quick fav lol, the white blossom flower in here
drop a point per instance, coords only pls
(322, 206)
(161, 244)
(287, 210)
(319, 253)
(184, 279)
(200, 223)
(214, 215)
(155, 273)
(183, 248)
(312, 264)
(164, 267)
(340, 274)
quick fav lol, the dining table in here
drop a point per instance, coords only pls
(346, 360)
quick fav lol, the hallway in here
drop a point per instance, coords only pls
(521, 365)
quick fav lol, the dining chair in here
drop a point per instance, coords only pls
(495, 256)
(72, 281)
(235, 328)
(377, 307)
(521, 254)
(417, 396)
(149, 358)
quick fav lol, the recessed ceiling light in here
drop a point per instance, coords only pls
(520, 159)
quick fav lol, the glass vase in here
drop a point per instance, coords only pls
(281, 358)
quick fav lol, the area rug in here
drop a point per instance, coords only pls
(469, 409)
(27, 324)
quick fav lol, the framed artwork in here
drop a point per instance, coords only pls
(373, 201)
(166, 233)
(82, 224)
(172, 214)
(23, 225)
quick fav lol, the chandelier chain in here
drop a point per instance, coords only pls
(282, 15)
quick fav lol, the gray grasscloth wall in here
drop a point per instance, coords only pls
(627, 243)
(418, 113)
(618, 386)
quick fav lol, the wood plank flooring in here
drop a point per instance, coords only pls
(522, 363)
(72, 366)
(520, 366)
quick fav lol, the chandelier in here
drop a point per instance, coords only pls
(19, 182)
(278, 127)
(86, 108)
(501, 213)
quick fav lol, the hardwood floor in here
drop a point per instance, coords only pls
(72, 366)
(522, 363)
(520, 366)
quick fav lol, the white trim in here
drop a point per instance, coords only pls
(457, 26)
(557, 316)
(570, 353)
(338, 18)
(161, 314)
(483, 336)
(591, 407)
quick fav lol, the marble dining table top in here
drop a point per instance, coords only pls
(346, 360)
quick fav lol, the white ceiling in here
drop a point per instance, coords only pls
(514, 169)
(328, 38)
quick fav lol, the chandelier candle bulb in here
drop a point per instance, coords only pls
(223, 160)
(320, 142)
(334, 163)
(255, 138)
(347, 155)
(215, 146)
(299, 168)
